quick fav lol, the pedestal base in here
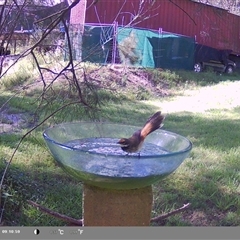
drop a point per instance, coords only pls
(106, 207)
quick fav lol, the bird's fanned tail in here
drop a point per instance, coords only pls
(152, 124)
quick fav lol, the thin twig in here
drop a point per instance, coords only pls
(183, 11)
(63, 217)
(166, 215)
(39, 68)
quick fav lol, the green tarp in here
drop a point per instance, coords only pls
(138, 47)
(96, 43)
(157, 50)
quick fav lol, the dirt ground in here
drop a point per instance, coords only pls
(10, 122)
(111, 77)
(125, 77)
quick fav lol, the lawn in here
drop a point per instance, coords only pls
(204, 108)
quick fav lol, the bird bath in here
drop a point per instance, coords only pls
(117, 185)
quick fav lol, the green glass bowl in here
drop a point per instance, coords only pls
(89, 152)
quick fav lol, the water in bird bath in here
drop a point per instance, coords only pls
(105, 157)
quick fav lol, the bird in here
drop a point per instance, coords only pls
(135, 142)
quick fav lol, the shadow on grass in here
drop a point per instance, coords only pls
(215, 131)
(50, 188)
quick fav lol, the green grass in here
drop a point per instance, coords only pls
(207, 113)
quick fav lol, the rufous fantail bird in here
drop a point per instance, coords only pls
(135, 142)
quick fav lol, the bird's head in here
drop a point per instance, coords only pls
(124, 142)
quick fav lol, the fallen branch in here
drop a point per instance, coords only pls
(166, 215)
(63, 217)
(79, 222)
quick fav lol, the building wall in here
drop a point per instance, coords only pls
(77, 16)
(209, 25)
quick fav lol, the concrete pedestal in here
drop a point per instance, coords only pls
(105, 207)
